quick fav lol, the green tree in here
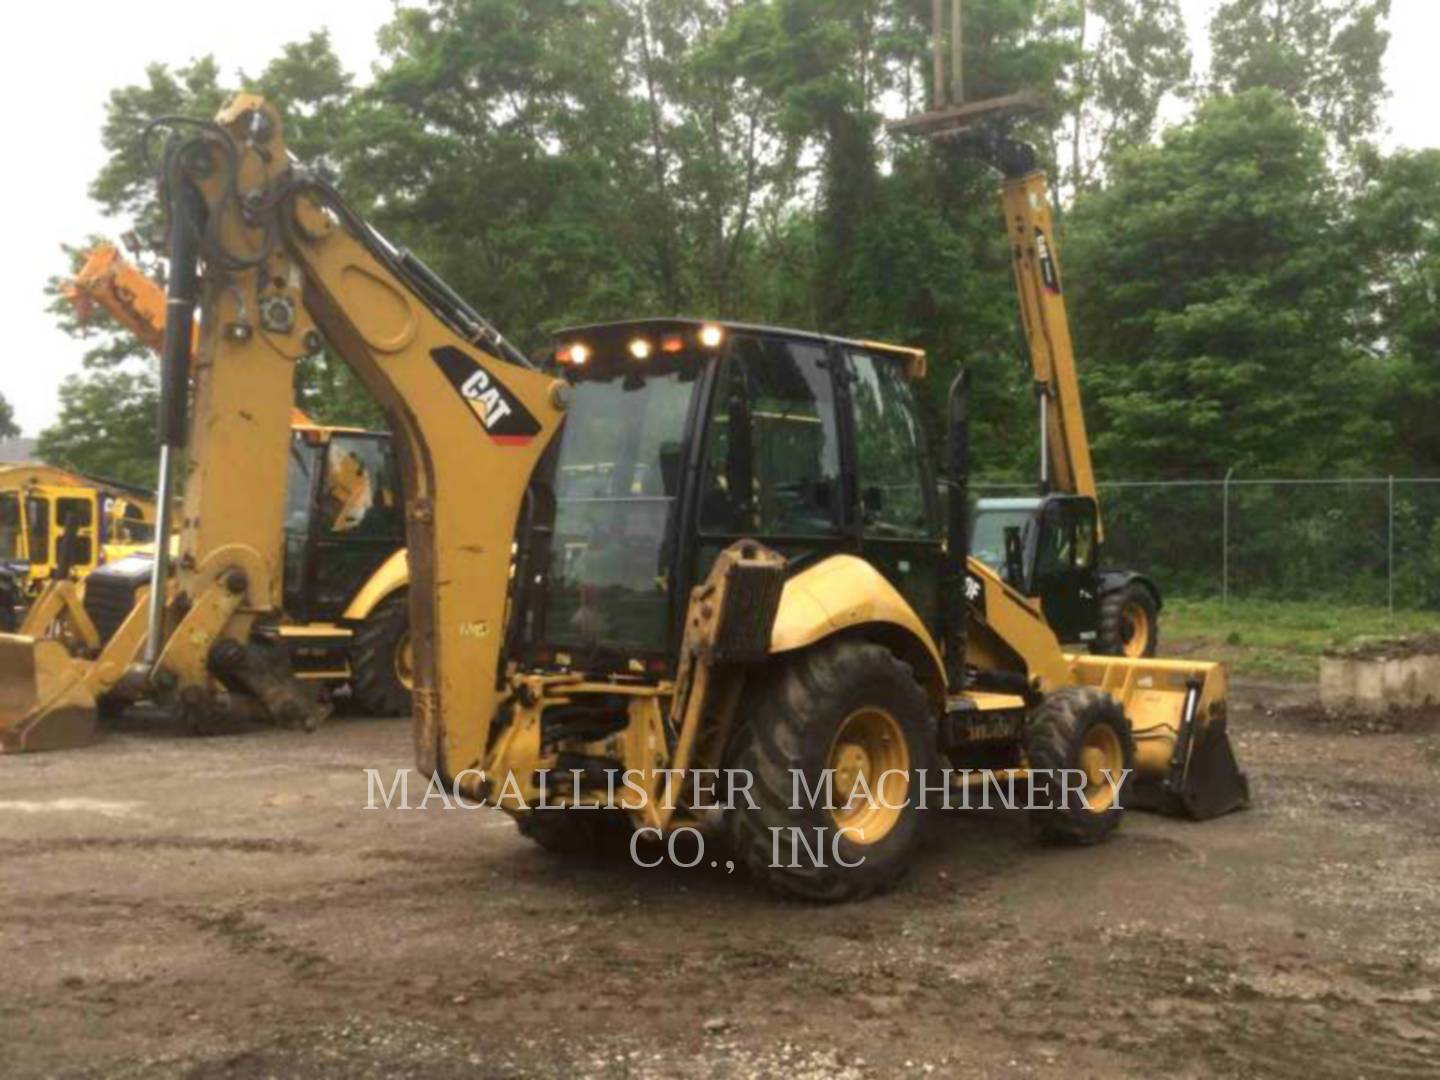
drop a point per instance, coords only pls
(106, 425)
(1215, 296)
(8, 428)
(314, 91)
(1325, 56)
(1131, 54)
(1396, 220)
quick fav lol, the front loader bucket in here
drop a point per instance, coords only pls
(44, 701)
(1204, 779)
(1184, 763)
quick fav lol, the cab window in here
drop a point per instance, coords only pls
(891, 463)
(10, 545)
(1067, 542)
(37, 522)
(76, 519)
(360, 493)
(773, 455)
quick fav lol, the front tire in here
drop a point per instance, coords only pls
(1078, 728)
(1129, 623)
(381, 662)
(852, 710)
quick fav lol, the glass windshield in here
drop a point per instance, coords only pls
(9, 526)
(617, 478)
(37, 518)
(360, 491)
(300, 486)
(987, 536)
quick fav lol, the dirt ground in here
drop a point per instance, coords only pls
(226, 907)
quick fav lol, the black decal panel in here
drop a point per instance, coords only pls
(975, 592)
(498, 411)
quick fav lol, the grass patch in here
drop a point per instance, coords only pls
(1268, 639)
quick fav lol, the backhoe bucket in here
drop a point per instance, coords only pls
(1184, 763)
(45, 703)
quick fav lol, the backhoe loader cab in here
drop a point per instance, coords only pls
(54, 523)
(683, 438)
(1049, 548)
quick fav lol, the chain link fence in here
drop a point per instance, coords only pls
(1372, 541)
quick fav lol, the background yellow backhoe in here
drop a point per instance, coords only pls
(345, 572)
(55, 523)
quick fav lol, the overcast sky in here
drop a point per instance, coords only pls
(66, 57)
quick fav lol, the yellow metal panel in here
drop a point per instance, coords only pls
(841, 593)
(394, 573)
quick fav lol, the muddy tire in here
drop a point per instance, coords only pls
(1129, 623)
(1078, 728)
(844, 707)
(379, 659)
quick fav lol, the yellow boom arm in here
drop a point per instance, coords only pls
(286, 266)
(1036, 258)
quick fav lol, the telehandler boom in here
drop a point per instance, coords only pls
(710, 570)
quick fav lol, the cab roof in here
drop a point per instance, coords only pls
(913, 359)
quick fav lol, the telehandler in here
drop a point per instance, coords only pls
(727, 554)
(345, 572)
(1050, 546)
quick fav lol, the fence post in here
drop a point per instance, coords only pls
(1390, 548)
(1225, 542)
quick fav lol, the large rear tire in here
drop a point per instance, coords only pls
(851, 709)
(1129, 622)
(1078, 728)
(381, 663)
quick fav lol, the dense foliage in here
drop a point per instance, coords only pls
(1254, 287)
(8, 427)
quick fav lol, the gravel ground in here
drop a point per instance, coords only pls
(226, 907)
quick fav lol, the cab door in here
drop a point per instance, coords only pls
(359, 521)
(894, 483)
(1064, 575)
(771, 461)
(75, 531)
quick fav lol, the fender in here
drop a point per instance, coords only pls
(394, 573)
(844, 592)
(1115, 580)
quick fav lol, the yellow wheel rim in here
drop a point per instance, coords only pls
(870, 770)
(1134, 629)
(1100, 755)
(405, 662)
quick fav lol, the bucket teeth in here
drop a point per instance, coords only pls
(45, 703)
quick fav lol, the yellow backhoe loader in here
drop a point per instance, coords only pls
(345, 571)
(681, 547)
(56, 524)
